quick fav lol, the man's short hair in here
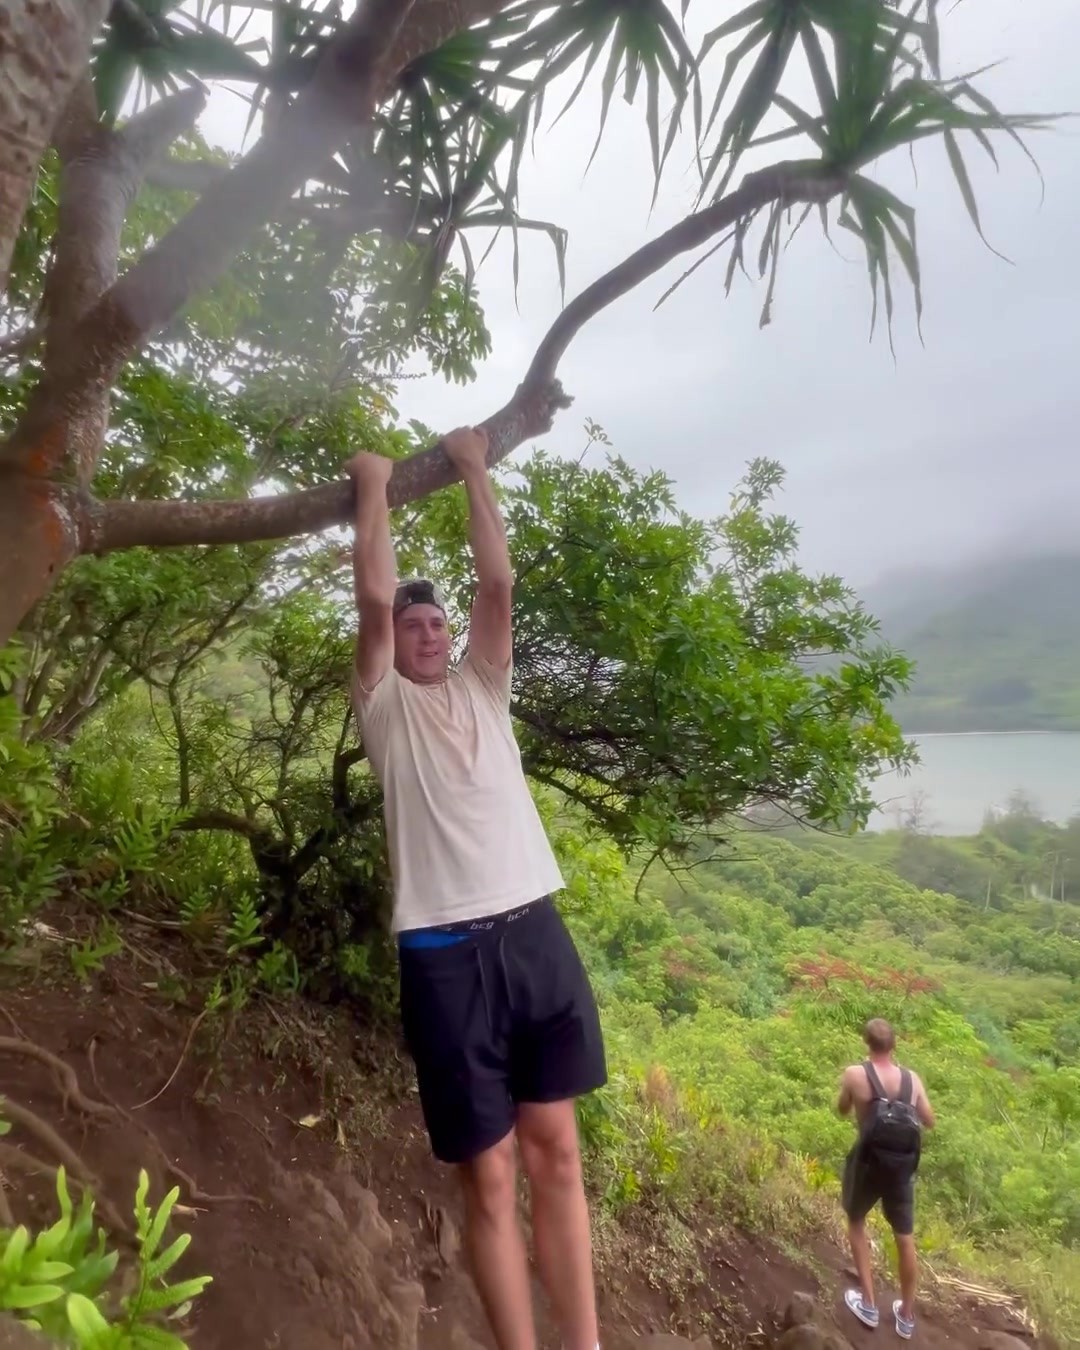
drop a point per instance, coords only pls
(879, 1036)
(418, 591)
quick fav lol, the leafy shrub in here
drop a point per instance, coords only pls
(30, 804)
(61, 1281)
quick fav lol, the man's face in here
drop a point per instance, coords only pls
(422, 644)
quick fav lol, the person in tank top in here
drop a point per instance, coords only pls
(872, 1177)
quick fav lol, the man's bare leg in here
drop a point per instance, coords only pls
(496, 1245)
(860, 1251)
(909, 1273)
(547, 1137)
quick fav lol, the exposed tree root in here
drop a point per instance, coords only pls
(194, 1192)
(45, 1134)
(17, 1159)
(64, 1074)
(179, 1063)
(72, 1093)
(202, 1197)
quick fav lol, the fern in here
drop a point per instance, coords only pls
(58, 1281)
(244, 928)
(89, 956)
(30, 872)
(195, 906)
(278, 971)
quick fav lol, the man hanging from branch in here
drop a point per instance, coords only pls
(496, 1005)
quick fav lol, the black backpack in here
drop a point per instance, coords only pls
(891, 1136)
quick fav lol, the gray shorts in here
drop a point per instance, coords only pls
(866, 1186)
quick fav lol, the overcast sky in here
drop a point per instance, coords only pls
(949, 449)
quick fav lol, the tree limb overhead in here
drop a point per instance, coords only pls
(127, 524)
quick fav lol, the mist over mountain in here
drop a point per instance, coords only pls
(996, 640)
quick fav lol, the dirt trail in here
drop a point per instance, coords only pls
(328, 1248)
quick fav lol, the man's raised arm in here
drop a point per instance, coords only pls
(490, 636)
(374, 568)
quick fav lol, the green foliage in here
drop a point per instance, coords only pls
(27, 788)
(679, 648)
(1016, 857)
(880, 91)
(61, 1282)
(243, 928)
(30, 805)
(733, 995)
(64, 1259)
(90, 955)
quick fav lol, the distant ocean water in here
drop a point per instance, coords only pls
(965, 774)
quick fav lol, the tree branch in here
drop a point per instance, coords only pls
(343, 762)
(794, 181)
(79, 701)
(348, 218)
(344, 216)
(164, 524)
(430, 24)
(183, 743)
(227, 821)
(185, 175)
(126, 524)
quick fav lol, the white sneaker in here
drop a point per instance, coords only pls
(866, 1314)
(904, 1328)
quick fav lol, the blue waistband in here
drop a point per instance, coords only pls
(430, 937)
(448, 935)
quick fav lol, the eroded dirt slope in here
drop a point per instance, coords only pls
(312, 1199)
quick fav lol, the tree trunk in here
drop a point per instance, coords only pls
(44, 48)
(38, 538)
(41, 513)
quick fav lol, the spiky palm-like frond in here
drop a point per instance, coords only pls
(449, 140)
(877, 80)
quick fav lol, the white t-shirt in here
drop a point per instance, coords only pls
(465, 837)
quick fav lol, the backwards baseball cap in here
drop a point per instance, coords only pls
(418, 591)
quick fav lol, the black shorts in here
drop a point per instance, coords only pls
(502, 1016)
(865, 1186)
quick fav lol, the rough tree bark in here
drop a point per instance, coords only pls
(44, 48)
(101, 170)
